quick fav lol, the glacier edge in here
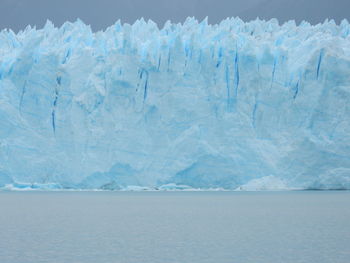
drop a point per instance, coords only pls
(255, 105)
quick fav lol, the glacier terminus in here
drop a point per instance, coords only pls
(236, 105)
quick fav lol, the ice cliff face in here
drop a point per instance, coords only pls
(189, 105)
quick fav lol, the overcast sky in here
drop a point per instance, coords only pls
(17, 14)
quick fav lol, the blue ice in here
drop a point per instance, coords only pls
(236, 105)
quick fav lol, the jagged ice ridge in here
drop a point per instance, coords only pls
(236, 105)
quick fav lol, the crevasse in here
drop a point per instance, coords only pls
(236, 105)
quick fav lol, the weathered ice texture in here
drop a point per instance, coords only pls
(236, 105)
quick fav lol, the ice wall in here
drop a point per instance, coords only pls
(233, 105)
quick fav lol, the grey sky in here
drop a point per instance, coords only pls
(16, 14)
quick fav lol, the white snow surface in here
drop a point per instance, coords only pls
(255, 105)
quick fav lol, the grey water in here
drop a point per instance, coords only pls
(181, 227)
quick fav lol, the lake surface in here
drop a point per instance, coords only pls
(181, 227)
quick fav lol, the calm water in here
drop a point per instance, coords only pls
(181, 227)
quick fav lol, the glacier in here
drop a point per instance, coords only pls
(235, 105)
